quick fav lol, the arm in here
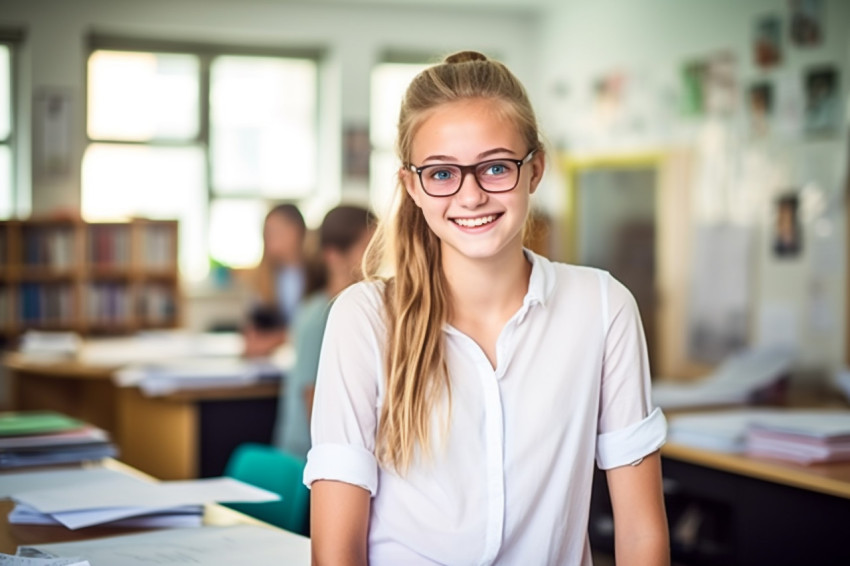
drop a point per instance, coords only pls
(307, 396)
(640, 522)
(339, 524)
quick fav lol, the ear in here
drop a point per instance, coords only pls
(538, 166)
(411, 184)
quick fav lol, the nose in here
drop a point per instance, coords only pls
(470, 194)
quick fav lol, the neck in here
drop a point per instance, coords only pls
(486, 287)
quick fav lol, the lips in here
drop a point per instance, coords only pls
(476, 222)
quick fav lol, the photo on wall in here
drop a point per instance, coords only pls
(357, 149)
(767, 43)
(760, 107)
(787, 240)
(822, 103)
(806, 27)
(709, 85)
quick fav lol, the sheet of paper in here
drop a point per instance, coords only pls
(211, 546)
(10, 484)
(126, 492)
(9, 560)
(186, 516)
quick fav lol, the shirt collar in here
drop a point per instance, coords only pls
(540, 285)
(542, 279)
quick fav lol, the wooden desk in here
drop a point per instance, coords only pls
(730, 509)
(12, 536)
(830, 479)
(179, 436)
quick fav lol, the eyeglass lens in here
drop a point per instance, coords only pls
(495, 176)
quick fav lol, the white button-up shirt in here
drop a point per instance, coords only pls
(510, 480)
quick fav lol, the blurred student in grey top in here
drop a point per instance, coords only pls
(343, 236)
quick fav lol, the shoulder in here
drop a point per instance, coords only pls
(584, 281)
(363, 301)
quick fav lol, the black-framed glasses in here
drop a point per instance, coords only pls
(493, 175)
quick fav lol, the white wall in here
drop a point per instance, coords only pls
(354, 37)
(801, 299)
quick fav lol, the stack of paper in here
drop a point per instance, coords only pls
(735, 382)
(46, 346)
(82, 498)
(158, 346)
(41, 438)
(182, 374)
(804, 437)
(723, 431)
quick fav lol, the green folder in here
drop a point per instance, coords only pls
(36, 422)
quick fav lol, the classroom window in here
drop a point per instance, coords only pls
(388, 84)
(205, 137)
(7, 197)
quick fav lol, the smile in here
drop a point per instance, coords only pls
(475, 222)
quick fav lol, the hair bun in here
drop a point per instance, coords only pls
(465, 57)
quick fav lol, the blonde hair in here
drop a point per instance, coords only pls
(416, 297)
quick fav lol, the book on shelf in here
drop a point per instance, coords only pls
(49, 246)
(109, 303)
(46, 303)
(109, 245)
(68, 274)
(156, 303)
(158, 246)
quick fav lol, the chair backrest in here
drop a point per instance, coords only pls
(277, 471)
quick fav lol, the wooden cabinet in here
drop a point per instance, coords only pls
(91, 278)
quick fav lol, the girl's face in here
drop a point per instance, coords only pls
(473, 223)
(281, 240)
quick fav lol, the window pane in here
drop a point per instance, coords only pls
(383, 176)
(389, 81)
(236, 227)
(5, 181)
(5, 92)
(120, 181)
(263, 126)
(137, 96)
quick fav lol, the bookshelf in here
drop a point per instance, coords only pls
(91, 278)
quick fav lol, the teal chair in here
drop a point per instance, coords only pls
(280, 472)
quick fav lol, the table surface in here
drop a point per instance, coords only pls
(831, 478)
(12, 536)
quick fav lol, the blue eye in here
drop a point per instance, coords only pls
(441, 175)
(497, 168)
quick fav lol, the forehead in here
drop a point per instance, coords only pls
(466, 128)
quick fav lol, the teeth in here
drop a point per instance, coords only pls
(473, 222)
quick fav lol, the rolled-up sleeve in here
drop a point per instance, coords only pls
(628, 427)
(345, 406)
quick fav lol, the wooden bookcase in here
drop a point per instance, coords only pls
(91, 278)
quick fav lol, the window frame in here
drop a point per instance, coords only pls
(206, 54)
(12, 39)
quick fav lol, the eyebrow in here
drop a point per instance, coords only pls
(482, 155)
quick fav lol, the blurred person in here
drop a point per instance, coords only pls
(282, 279)
(343, 236)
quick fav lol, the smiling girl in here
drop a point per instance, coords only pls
(463, 401)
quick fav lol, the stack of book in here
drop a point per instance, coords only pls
(43, 438)
(804, 437)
